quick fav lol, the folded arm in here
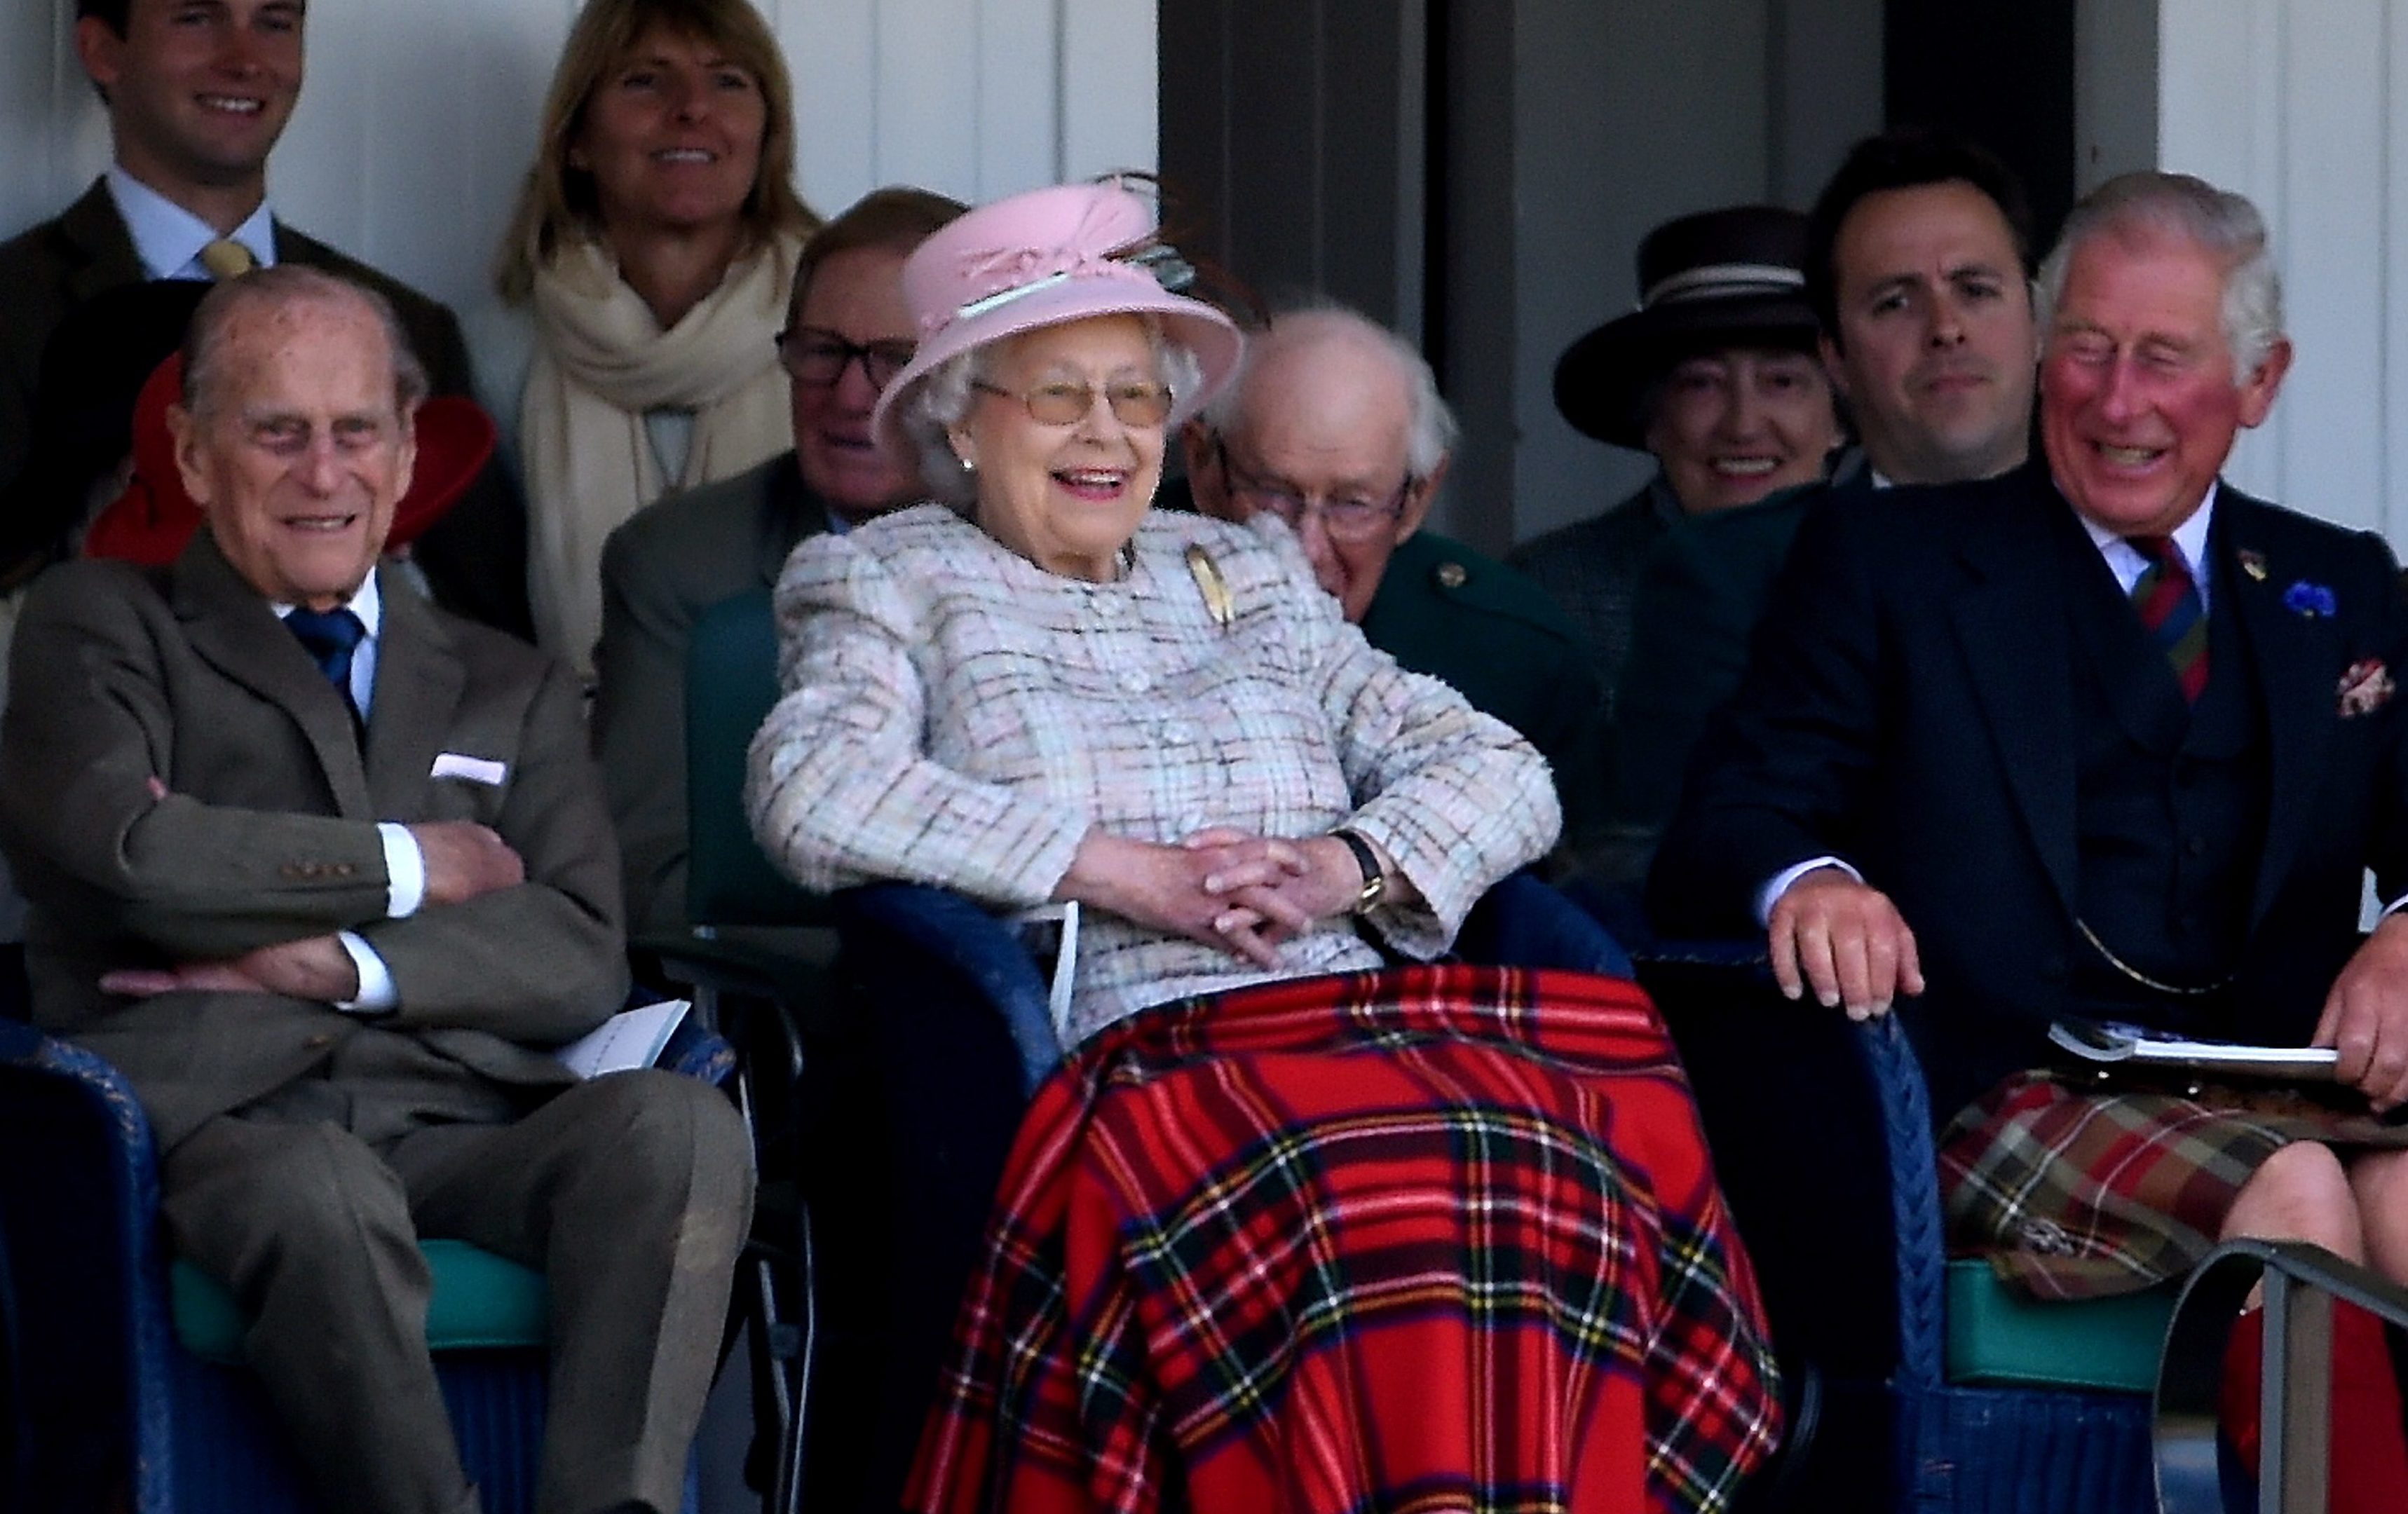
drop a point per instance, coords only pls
(87, 750)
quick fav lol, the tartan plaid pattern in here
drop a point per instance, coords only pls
(2076, 1192)
(1435, 1238)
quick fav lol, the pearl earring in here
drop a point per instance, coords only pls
(970, 464)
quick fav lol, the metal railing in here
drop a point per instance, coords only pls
(2295, 1391)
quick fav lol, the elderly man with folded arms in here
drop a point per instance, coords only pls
(2103, 737)
(325, 872)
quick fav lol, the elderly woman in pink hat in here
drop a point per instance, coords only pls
(1304, 1221)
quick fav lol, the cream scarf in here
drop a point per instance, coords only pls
(600, 362)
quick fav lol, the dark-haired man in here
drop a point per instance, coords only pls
(197, 93)
(325, 873)
(1918, 267)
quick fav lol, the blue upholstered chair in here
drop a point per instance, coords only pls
(140, 1399)
(1922, 1380)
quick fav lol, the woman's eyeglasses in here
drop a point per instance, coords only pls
(1135, 401)
(812, 356)
(1346, 517)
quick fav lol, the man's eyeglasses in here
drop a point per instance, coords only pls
(1346, 518)
(812, 356)
(1136, 402)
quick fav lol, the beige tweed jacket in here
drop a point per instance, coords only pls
(955, 715)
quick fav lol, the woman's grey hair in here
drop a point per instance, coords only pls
(1430, 429)
(945, 392)
(2220, 223)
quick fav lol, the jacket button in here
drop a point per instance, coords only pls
(1451, 575)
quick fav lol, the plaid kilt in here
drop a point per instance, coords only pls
(1435, 1238)
(2078, 1190)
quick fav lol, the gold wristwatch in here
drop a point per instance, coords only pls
(1375, 883)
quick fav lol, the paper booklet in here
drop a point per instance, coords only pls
(630, 1038)
(2110, 1042)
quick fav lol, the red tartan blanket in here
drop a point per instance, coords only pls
(1438, 1237)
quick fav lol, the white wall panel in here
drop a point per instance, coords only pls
(2294, 104)
(419, 116)
(1108, 47)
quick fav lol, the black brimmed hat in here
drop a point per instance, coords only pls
(1719, 279)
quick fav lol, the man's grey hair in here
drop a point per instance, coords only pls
(946, 392)
(284, 285)
(1430, 428)
(2220, 223)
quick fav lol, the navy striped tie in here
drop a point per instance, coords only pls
(2167, 599)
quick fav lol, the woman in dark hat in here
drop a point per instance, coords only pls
(1715, 374)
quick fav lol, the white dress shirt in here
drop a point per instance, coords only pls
(405, 865)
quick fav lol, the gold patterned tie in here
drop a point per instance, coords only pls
(227, 257)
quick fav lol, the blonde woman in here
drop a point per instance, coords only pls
(654, 241)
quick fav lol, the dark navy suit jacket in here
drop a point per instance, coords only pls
(1907, 707)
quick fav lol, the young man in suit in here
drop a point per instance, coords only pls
(328, 892)
(2103, 737)
(197, 93)
(1918, 268)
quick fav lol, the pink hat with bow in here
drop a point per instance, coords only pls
(1040, 259)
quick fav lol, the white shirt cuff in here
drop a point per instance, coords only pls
(405, 871)
(377, 994)
(1770, 893)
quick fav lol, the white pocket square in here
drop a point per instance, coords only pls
(483, 770)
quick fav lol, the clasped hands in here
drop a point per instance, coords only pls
(461, 859)
(1226, 887)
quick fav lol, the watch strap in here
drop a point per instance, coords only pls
(1375, 883)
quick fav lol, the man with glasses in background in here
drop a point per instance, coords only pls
(1335, 424)
(848, 331)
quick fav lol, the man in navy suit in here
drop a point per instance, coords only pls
(1969, 766)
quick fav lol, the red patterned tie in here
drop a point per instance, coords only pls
(2167, 599)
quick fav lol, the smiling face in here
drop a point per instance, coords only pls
(1732, 426)
(198, 91)
(854, 296)
(2139, 401)
(672, 136)
(300, 453)
(1066, 497)
(1936, 343)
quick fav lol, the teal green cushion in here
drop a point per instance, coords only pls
(1998, 1337)
(480, 1302)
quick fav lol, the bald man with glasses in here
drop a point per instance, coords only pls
(1335, 424)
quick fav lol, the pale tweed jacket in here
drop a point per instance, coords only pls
(955, 715)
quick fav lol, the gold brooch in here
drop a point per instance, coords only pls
(1209, 584)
